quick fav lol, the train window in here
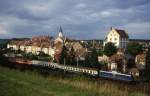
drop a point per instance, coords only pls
(106, 74)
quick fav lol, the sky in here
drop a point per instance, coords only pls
(80, 19)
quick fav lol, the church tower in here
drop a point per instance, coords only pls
(60, 34)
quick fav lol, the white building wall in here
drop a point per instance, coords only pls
(15, 47)
(29, 49)
(22, 48)
(115, 38)
(51, 52)
(45, 50)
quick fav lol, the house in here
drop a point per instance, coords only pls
(134, 72)
(13, 44)
(117, 62)
(79, 50)
(34, 45)
(17, 44)
(118, 37)
(140, 61)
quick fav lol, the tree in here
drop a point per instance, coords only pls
(71, 57)
(42, 54)
(100, 52)
(131, 63)
(3, 59)
(147, 66)
(134, 48)
(94, 58)
(110, 49)
(63, 55)
(30, 55)
(91, 59)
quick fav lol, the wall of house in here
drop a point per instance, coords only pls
(113, 37)
(28, 49)
(123, 42)
(22, 48)
(45, 50)
(51, 52)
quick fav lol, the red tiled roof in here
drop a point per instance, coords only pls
(116, 57)
(40, 41)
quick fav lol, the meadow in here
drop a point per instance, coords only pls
(16, 82)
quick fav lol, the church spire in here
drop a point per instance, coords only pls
(60, 32)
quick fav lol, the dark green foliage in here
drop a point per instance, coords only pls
(71, 57)
(134, 48)
(63, 55)
(45, 58)
(3, 43)
(92, 59)
(19, 51)
(42, 54)
(131, 63)
(30, 55)
(3, 59)
(104, 65)
(100, 52)
(110, 49)
(67, 56)
(147, 66)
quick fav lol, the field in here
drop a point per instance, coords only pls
(31, 83)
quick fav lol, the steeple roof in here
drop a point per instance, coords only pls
(60, 34)
(60, 29)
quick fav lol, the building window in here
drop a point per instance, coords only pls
(115, 39)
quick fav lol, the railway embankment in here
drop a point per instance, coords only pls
(78, 81)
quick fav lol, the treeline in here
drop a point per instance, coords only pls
(69, 57)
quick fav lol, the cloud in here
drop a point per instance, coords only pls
(138, 30)
(81, 5)
(82, 19)
(3, 31)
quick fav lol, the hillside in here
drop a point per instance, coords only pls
(16, 82)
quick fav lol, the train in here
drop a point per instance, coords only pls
(90, 71)
(116, 76)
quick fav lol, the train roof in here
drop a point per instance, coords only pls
(116, 73)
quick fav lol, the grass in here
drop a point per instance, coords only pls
(15, 83)
(31, 83)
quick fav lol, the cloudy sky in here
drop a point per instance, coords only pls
(80, 19)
